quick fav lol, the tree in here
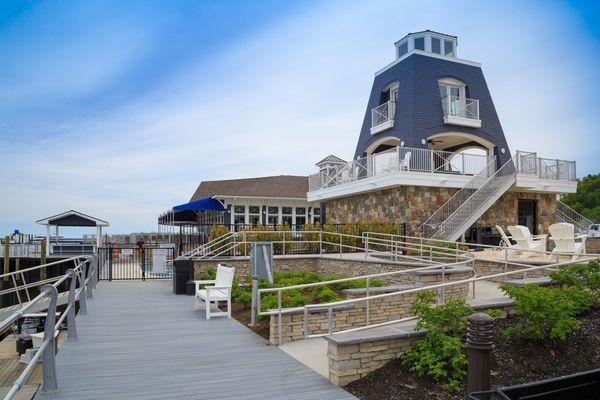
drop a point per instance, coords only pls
(587, 199)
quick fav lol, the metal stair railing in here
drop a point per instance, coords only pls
(565, 213)
(208, 247)
(469, 201)
(434, 222)
(474, 203)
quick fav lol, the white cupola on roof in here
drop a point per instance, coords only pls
(429, 42)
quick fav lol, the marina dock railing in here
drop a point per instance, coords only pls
(83, 278)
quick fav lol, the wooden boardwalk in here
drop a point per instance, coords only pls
(139, 341)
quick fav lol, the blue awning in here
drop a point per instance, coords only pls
(207, 204)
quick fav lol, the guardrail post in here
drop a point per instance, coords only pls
(321, 242)
(90, 271)
(480, 332)
(6, 257)
(279, 317)
(49, 384)
(305, 322)
(330, 320)
(367, 286)
(82, 290)
(71, 326)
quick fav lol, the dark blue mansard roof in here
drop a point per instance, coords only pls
(419, 113)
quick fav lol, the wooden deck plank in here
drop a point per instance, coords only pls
(139, 341)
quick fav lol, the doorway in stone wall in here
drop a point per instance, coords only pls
(527, 214)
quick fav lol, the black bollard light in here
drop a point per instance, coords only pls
(480, 340)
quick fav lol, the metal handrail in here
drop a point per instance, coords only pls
(567, 214)
(446, 210)
(87, 284)
(440, 286)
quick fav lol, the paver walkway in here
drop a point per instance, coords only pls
(140, 341)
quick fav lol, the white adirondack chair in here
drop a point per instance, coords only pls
(563, 235)
(221, 291)
(392, 165)
(526, 243)
(405, 164)
(505, 242)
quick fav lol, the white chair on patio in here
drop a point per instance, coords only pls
(392, 165)
(220, 291)
(505, 241)
(405, 164)
(563, 236)
(526, 243)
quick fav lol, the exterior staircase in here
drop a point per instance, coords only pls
(564, 213)
(468, 204)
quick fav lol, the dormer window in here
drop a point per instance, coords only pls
(457, 108)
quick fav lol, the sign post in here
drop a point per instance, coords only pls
(261, 267)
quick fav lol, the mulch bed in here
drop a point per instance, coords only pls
(513, 362)
(241, 313)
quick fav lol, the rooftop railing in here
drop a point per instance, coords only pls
(528, 163)
(401, 160)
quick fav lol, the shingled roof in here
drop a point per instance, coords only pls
(268, 186)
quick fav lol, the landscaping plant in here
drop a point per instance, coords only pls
(546, 313)
(441, 354)
(582, 276)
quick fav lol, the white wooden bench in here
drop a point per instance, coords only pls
(220, 291)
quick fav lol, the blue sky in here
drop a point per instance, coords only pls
(119, 109)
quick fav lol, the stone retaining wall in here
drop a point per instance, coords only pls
(321, 264)
(380, 310)
(350, 360)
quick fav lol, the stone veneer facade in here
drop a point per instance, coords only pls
(412, 205)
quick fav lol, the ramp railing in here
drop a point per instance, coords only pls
(82, 278)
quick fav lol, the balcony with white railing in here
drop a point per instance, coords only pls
(529, 164)
(412, 165)
(461, 111)
(382, 117)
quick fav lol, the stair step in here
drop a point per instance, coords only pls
(541, 281)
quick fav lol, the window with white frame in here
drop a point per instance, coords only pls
(254, 215)
(449, 48)
(436, 45)
(419, 43)
(452, 93)
(316, 215)
(239, 215)
(300, 215)
(402, 49)
(272, 215)
(287, 215)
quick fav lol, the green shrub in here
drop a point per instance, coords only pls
(323, 294)
(547, 313)
(582, 276)
(441, 354)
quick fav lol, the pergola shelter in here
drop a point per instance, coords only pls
(71, 218)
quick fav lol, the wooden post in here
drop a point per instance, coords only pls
(6, 256)
(43, 259)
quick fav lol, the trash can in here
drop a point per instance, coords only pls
(183, 271)
(190, 288)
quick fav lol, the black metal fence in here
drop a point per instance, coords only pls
(119, 262)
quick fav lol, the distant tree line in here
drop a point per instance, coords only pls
(587, 199)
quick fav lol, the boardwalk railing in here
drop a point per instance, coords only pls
(82, 278)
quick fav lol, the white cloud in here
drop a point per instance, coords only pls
(277, 101)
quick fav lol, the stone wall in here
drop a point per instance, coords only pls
(321, 264)
(414, 204)
(355, 356)
(380, 310)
